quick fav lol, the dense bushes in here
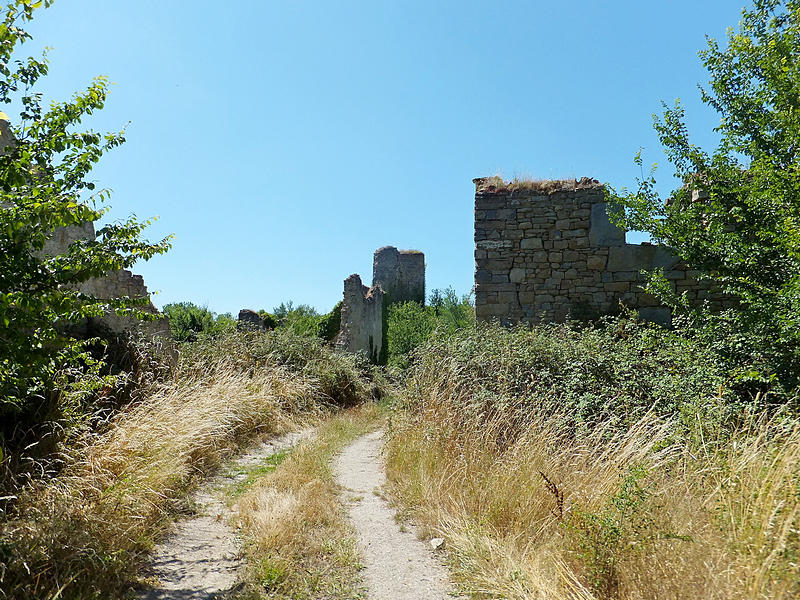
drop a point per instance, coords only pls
(615, 372)
(620, 460)
(187, 320)
(741, 232)
(410, 324)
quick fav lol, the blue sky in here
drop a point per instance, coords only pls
(282, 142)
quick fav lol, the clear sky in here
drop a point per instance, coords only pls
(282, 142)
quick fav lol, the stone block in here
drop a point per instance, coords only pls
(531, 243)
(517, 275)
(499, 265)
(660, 315)
(627, 276)
(675, 274)
(602, 232)
(596, 262)
(617, 286)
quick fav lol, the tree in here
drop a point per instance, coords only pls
(44, 186)
(736, 218)
(187, 320)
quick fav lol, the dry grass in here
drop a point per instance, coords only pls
(300, 545)
(630, 515)
(497, 185)
(81, 535)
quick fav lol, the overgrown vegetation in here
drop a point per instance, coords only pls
(45, 185)
(187, 321)
(618, 460)
(298, 542)
(742, 232)
(410, 323)
(305, 320)
(610, 462)
(57, 371)
(83, 533)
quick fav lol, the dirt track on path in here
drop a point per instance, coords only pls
(398, 566)
(200, 560)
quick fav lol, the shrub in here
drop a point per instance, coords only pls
(614, 372)
(741, 233)
(305, 320)
(410, 324)
(186, 320)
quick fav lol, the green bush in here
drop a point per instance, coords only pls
(410, 324)
(305, 320)
(187, 321)
(45, 185)
(614, 372)
(741, 234)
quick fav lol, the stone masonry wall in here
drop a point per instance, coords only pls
(397, 276)
(362, 319)
(114, 285)
(401, 274)
(547, 250)
(118, 284)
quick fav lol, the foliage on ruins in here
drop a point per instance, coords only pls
(45, 186)
(736, 219)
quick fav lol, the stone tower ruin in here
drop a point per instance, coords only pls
(397, 276)
(401, 274)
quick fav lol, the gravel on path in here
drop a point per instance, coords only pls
(398, 566)
(201, 559)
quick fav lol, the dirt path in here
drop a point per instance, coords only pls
(398, 565)
(201, 559)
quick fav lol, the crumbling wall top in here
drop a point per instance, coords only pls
(497, 185)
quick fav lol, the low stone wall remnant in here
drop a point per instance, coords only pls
(362, 319)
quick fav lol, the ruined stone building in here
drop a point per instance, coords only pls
(546, 250)
(397, 276)
(118, 284)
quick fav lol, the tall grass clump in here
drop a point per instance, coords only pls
(298, 542)
(599, 463)
(83, 533)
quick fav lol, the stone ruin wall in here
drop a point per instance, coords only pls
(362, 319)
(118, 284)
(401, 274)
(547, 251)
(397, 276)
(115, 285)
